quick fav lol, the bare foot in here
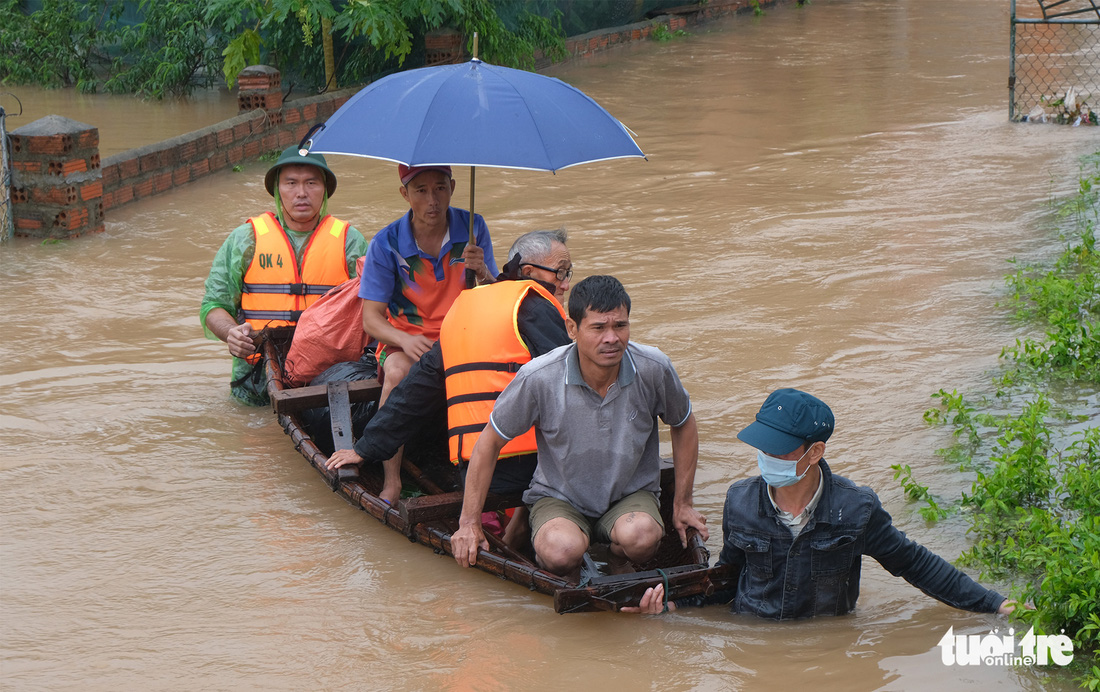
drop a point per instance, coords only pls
(391, 492)
(391, 484)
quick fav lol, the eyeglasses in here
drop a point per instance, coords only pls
(561, 274)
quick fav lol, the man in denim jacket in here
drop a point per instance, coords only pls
(798, 533)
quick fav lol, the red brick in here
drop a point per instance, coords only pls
(128, 168)
(292, 115)
(88, 139)
(252, 148)
(74, 166)
(71, 219)
(123, 195)
(309, 111)
(149, 162)
(60, 196)
(205, 144)
(163, 182)
(241, 130)
(91, 190)
(28, 223)
(58, 144)
(110, 175)
(286, 138)
(224, 138)
(181, 176)
(27, 166)
(187, 151)
(200, 168)
(143, 189)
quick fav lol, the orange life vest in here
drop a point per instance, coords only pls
(275, 292)
(482, 351)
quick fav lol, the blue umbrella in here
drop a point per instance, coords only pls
(475, 114)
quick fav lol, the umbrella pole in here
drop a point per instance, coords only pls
(471, 277)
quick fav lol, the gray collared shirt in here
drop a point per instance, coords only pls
(593, 450)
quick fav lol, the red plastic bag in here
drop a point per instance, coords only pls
(329, 332)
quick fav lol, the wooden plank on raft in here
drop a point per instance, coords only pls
(415, 510)
(288, 401)
(339, 408)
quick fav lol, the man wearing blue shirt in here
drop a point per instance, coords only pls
(415, 268)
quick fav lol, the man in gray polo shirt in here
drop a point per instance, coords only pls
(594, 405)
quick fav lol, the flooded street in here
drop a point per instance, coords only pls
(829, 201)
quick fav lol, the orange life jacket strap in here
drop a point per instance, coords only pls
(484, 365)
(288, 315)
(289, 289)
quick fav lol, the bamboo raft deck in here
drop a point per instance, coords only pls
(430, 519)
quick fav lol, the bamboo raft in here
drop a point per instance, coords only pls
(430, 518)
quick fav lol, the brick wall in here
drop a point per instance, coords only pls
(156, 168)
(675, 19)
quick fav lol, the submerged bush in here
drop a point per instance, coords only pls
(1034, 506)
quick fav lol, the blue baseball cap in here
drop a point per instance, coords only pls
(787, 419)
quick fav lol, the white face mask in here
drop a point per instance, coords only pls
(777, 472)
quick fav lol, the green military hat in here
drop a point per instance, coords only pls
(294, 156)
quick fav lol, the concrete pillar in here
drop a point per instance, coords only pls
(57, 184)
(260, 86)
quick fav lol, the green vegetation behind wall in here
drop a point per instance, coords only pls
(160, 48)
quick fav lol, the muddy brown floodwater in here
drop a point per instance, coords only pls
(830, 198)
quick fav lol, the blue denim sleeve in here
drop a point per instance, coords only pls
(924, 569)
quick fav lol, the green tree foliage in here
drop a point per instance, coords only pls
(168, 53)
(181, 44)
(59, 46)
(373, 36)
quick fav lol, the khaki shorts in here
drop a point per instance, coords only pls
(549, 508)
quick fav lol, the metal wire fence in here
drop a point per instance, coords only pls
(7, 224)
(1055, 62)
